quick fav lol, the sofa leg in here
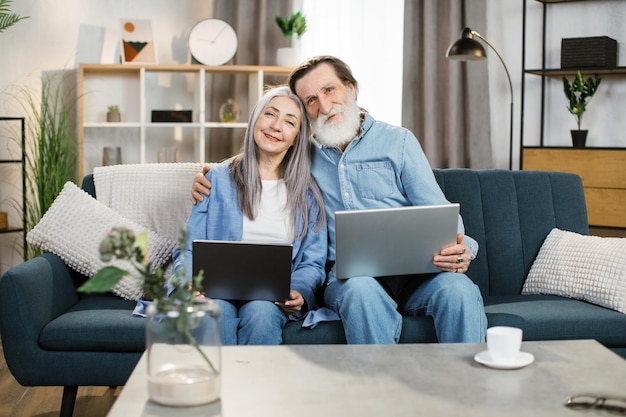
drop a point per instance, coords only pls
(69, 398)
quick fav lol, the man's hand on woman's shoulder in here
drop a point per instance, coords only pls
(201, 185)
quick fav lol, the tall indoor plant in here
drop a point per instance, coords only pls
(51, 149)
(294, 25)
(578, 94)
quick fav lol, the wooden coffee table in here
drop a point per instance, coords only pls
(393, 380)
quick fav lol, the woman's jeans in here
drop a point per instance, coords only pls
(252, 322)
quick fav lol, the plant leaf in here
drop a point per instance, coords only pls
(141, 241)
(104, 280)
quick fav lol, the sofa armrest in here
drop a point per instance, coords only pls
(31, 295)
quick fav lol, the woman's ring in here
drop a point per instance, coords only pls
(459, 259)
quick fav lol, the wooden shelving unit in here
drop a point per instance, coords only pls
(139, 89)
(602, 170)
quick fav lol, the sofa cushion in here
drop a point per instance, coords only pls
(97, 323)
(420, 329)
(589, 268)
(550, 317)
(73, 228)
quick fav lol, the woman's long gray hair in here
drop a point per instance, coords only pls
(295, 169)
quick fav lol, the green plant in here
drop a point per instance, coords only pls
(578, 94)
(51, 148)
(7, 18)
(121, 243)
(113, 108)
(296, 24)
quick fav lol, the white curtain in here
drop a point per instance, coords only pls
(367, 35)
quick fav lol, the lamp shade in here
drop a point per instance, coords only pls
(466, 48)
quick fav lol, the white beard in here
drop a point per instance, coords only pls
(337, 133)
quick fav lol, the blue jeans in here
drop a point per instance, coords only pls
(371, 314)
(251, 323)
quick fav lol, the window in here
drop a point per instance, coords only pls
(368, 36)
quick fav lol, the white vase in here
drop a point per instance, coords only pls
(184, 355)
(287, 57)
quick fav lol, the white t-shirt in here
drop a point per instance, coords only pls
(272, 223)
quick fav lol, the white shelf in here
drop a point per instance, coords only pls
(139, 89)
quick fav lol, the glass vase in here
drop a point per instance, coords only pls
(183, 348)
(230, 111)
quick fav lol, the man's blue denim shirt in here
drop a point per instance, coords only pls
(384, 166)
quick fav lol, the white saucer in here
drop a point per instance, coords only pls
(523, 359)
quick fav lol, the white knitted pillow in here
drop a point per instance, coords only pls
(589, 268)
(73, 228)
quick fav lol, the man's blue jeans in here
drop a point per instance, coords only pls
(371, 314)
(252, 323)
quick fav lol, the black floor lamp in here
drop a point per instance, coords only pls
(469, 49)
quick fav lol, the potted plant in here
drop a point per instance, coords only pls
(177, 321)
(7, 18)
(578, 94)
(50, 149)
(113, 114)
(295, 25)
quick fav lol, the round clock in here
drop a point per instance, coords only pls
(212, 42)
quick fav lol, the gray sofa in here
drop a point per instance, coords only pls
(53, 335)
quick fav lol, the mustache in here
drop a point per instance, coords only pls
(335, 110)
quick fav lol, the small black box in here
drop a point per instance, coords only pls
(594, 52)
(171, 116)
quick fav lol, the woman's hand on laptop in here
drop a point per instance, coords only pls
(454, 258)
(293, 304)
(201, 185)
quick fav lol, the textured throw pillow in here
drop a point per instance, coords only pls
(73, 228)
(589, 268)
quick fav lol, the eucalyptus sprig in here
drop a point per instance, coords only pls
(121, 243)
(296, 24)
(578, 94)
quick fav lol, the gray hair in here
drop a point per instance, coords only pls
(295, 169)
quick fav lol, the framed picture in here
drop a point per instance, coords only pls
(138, 42)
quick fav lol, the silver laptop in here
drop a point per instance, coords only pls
(392, 241)
(243, 270)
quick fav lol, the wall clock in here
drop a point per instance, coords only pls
(212, 42)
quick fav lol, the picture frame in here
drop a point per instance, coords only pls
(137, 44)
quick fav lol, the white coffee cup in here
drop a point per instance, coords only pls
(504, 343)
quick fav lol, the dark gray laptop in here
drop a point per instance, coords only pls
(392, 241)
(243, 270)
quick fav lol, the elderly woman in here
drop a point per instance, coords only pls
(266, 193)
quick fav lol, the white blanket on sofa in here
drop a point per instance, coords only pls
(155, 196)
